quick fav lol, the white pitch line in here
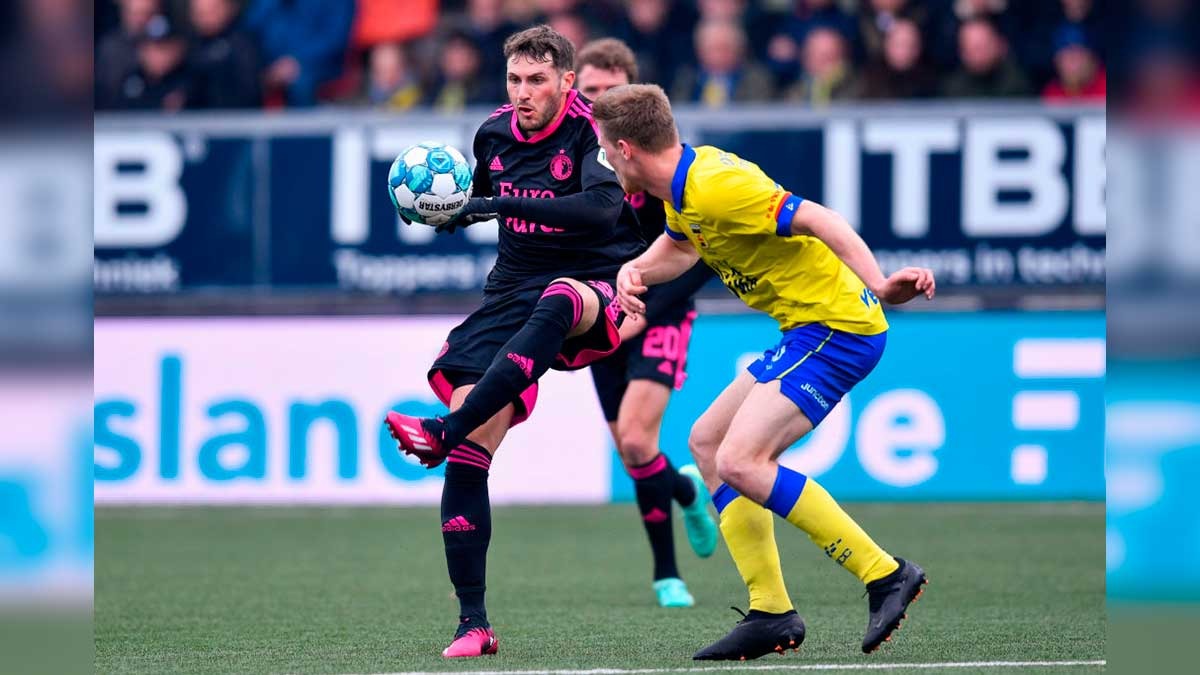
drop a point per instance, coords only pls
(806, 666)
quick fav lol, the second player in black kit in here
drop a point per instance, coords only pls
(634, 384)
(549, 302)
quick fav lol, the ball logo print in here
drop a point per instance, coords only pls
(429, 183)
(561, 166)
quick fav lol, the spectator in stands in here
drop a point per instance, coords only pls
(160, 79)
(877, 16)
(392, 82)
(903, 72)
(488, 27)
(946, 20)
(1080, 75)
(723, 73)
(116, 53)
(660, 33)
(987, 71)
(303, 43)
(827, 72)
(783, 49)
(459, 81)
(756, 24)
(223, 59)
(572, 26)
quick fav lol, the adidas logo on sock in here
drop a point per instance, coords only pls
(496, 165)
(656, 515)
(457, 524)
(524, 363)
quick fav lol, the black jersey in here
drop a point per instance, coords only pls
(562, 211)
(651, 215)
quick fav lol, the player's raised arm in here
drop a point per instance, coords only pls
(815, 220)
(664, 261)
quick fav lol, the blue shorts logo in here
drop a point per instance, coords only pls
(808, 388)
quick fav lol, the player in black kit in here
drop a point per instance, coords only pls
(634, 384)
(549, 302)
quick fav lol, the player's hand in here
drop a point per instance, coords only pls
(477, 210)
(906, 284)
(629, 286)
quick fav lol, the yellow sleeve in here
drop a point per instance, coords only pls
(746, 201)
(673, 228)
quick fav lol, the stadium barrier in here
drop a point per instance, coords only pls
(989, 196)
(992, 405)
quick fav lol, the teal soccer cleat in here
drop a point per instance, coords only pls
(672, 592)
(701, 529)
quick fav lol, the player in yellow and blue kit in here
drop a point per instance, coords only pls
(805, 266)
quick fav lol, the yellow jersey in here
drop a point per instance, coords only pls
(740, 222)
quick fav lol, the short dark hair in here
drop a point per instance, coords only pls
(540, 44)
(640, 113)
(608, 54)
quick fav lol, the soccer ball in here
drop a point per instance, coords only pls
(429, 183)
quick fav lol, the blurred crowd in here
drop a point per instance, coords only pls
(404, 54)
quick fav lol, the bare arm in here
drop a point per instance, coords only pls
(815, 220)
(666, 259)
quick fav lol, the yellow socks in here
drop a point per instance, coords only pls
(805, 504)
(749, 532)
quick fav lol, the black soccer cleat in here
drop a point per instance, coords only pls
(758, 633)
(889, 598)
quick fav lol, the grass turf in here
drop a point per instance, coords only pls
(250, 590)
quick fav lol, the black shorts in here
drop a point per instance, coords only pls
(472, 345)
(659, 354)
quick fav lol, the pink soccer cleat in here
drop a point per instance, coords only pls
(473, 642)
(421, 438)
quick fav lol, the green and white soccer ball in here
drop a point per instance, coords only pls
(429, 183)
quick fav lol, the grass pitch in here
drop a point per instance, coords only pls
(302, 590)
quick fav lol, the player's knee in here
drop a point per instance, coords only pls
(703, 440)
(733, 467)
(636, 444)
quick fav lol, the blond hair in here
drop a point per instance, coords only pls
(637, 113)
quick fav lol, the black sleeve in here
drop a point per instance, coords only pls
(597, 205)
(481, 183)
(679, 289)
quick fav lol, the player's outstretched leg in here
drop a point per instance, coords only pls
(466, 533)
(653, 482)
(772, 625)
(657, 484)
(891, 582)
(749, 532)
(519, 363)
(768, 422)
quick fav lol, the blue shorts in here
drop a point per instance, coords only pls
(816, 366)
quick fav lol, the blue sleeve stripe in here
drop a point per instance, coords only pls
(783, 215)
(674, 235)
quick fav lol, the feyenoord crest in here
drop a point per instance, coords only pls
(561, 166)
